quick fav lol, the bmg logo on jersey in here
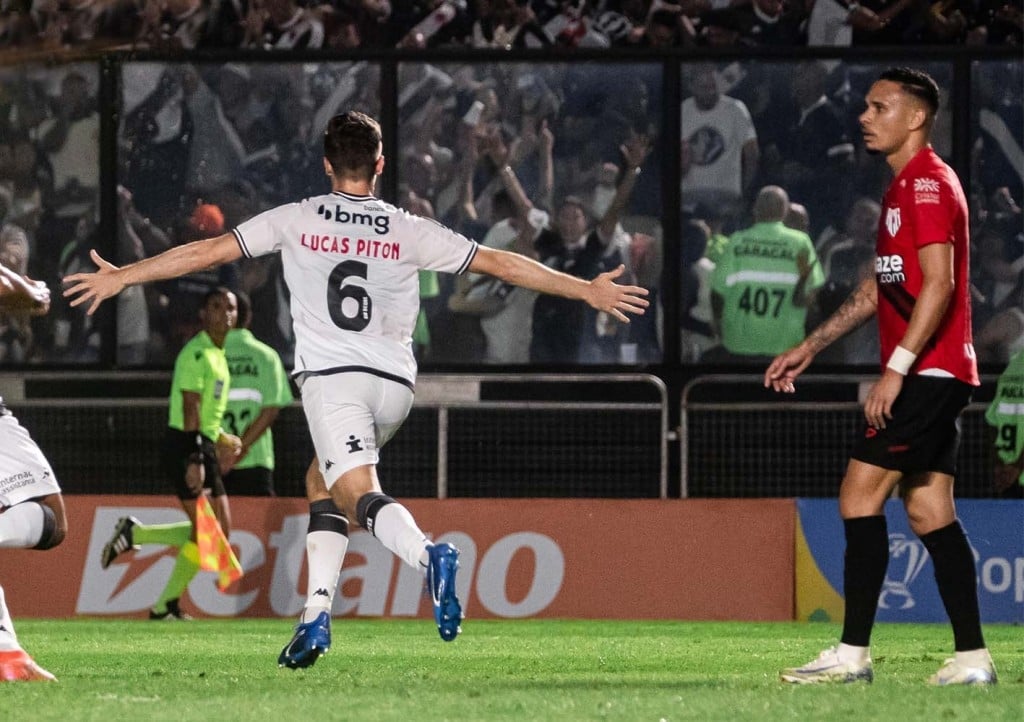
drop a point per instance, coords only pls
(889, 269)
(381, 224)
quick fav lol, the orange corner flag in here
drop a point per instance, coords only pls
(215, 554)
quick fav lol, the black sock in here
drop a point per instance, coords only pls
(368, 506)
(958, 586)
(867, 556)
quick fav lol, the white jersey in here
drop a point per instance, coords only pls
(716, 139)
(351, 264)
(24, 471)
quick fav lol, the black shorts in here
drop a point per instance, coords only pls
(255, 481)
(924, 431)
(178, 445)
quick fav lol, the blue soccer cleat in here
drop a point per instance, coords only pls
(443, 562)
(311, 640)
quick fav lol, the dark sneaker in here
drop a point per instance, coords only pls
(311, 639)
(173, 613)
(120, 542)
(443, 562)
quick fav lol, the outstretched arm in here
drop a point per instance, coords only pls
(601, 293)
(855, 311)
(109, 280)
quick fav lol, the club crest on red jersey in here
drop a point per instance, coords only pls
(892, 220)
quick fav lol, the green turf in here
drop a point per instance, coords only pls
(497, 670)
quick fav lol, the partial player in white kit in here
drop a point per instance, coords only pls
(31, 507)
(351, 263)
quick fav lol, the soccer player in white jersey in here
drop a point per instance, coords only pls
(31, 507)
(351, 262)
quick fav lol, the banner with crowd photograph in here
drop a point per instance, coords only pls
(994, 527)
(581, 559)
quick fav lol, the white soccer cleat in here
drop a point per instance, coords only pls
(828, 668)
(954, 672)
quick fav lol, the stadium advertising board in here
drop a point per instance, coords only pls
(995, 529)
(584, 559)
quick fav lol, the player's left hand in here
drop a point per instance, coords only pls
(93, 288)
(878, 406)
(608, 296)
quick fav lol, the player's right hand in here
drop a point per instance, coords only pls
(785, 367)
(93, 288)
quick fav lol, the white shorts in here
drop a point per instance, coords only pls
(351, 416)
(24, 471)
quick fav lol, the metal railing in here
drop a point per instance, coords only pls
(500, 435)
(738, 439)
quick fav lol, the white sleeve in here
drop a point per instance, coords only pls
(259, 235)
(439, 248)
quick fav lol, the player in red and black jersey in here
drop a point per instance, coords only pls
(920, 294)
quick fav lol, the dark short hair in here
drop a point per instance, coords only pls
(352, 144)
(244, 309)
(572, 200)
(917, 83)
(214, 292)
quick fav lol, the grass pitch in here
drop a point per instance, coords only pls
(224, 670)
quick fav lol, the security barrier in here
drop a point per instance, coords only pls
(524, 435)
(738, 439)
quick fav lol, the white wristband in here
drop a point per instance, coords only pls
(901, 360)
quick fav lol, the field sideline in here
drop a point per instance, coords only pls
(527, 670)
